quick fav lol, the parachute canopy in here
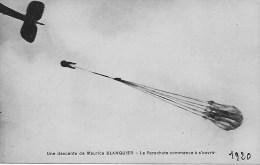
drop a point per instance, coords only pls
(224, 116)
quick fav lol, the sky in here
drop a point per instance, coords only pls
(203, 49)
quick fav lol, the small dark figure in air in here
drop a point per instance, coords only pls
(68, 64)
(33, 14)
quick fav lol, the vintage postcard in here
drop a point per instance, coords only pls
(130, 81)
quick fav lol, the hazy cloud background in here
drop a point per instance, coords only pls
(203, 49)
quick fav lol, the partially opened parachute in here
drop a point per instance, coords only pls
(226, 117)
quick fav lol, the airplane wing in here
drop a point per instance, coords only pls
(10, 12)
(28, 31)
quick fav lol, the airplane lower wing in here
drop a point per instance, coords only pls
(29, 31)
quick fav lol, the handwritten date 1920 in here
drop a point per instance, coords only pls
(240, 155)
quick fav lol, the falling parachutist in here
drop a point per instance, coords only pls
(67, 64)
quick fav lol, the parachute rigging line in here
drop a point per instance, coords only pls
(225, 117)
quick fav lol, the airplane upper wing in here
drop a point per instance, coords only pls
(35, 10)
(10, 12)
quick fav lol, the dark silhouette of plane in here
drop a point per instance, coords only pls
(67, 64)
(33, 14)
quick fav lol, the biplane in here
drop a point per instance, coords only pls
(33, 15)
